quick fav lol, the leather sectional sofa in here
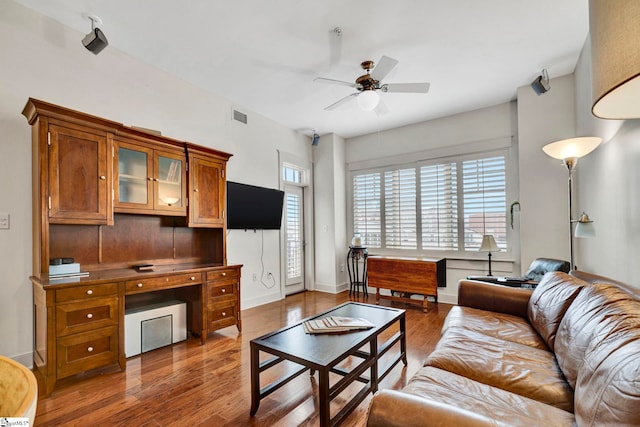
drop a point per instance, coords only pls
(564, 354)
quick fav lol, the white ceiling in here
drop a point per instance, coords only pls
(264, 55)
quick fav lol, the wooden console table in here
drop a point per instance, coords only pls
(406, 275)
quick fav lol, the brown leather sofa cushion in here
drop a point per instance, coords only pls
(497, 325)
(484, 400)
(549, 302)
(517, 368)
(596, 303)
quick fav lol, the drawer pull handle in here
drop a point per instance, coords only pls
(89, 316)
(150, 179)
(195, 190)
(90, 349)
(193, 277)
(224, 274)
(90, 292)
(224, 313)
(139, 285)
(223, 290)
(102, 177)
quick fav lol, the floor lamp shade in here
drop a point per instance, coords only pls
(572, 147)
(615, 48)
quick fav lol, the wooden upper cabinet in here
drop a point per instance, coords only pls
(207, 188)
(79, 175)
(149, 179)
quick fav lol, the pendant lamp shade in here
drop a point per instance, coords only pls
(615, 48)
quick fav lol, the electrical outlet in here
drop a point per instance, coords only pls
(4, 221)
(341, 268)
(255, 277)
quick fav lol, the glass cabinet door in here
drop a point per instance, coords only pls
(133, 176)
(169, 182)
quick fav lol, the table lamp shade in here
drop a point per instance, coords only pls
(488, 244)
(615, 32)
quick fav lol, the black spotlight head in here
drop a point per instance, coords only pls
(95, 41)
(540, 85)
(315, 139)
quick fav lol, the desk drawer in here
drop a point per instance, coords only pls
(221, 316)
(86, 291)
(230, 275)
(221, 291)
(164, 282)
(81, 352)
(86, 315)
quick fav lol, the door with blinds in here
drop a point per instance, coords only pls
(294, 239)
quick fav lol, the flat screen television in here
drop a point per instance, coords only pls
(250, 207)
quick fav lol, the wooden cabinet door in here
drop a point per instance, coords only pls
(207, 192)
(80, 176)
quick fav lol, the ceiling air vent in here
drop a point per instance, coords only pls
(241, 117)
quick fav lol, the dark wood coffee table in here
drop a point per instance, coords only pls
(325, 352)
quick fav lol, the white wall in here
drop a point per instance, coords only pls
(544, 202)
(479, 130)
(45, 60)
(329, 214)
(608, 187)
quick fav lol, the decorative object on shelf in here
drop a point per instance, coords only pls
(357, 277)
(615, 58)
(569, 151)
(356, 241)
(489, 245)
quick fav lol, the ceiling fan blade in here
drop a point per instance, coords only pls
(341, 101)
(406, 87)
(333, 81)
(384, 67)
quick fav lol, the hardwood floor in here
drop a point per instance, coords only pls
(188, 384)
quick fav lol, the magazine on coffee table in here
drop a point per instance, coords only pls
(334, 324)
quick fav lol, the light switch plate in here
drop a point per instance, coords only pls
(4, 221)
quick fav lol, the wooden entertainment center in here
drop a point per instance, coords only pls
(116, 199)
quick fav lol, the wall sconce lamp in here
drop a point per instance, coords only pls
(489, 245)
(541, 84)
(615, 56)
(569, 151)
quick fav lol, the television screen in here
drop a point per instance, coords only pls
(252, 207)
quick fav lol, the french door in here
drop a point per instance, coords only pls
(294, 239)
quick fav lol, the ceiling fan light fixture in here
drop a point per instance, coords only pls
(368, 100)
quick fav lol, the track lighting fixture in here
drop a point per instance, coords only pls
(541, 84)
(95, 41)
(314, 139)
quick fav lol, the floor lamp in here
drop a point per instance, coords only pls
(569, 151)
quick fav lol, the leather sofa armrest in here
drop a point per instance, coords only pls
(391, 408)
(491, 297)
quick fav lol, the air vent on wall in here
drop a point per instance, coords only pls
(241, 117)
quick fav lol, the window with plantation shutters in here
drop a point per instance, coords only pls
(366, 209)
(443, 206)
(484, 195)
(400, 209)
(439, 202)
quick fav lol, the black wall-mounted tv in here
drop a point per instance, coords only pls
(253, 208)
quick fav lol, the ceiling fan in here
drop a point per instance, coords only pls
(368, 85)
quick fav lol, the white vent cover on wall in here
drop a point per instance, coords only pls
(238, 116)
